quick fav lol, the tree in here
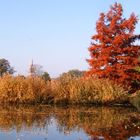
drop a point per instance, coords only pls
(5, 67)
(73, 73)
(114, 52)
(45, 76)
(76, 73)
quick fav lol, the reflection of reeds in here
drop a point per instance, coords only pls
(94, 118)
(27, 118)
(94, 121)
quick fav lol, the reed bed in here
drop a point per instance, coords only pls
(88, 91)
(22, 90)
(64, 90)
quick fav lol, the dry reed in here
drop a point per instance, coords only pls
(68, 90)
(80, 90)
(23, 90)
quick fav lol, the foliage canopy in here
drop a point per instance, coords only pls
(5, 67)
(114, 52)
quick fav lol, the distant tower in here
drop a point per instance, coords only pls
(31, 69)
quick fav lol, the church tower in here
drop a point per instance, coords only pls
(31, 69)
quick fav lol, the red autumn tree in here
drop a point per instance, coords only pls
(114, 52)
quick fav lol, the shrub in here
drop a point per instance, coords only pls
(135, 99)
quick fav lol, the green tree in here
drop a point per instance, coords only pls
(45, 76)
(75, 73)
(5, 67)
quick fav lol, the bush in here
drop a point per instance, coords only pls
(135, 99)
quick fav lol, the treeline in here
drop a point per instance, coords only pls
(71, 87)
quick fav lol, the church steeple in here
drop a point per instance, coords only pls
(31, 68)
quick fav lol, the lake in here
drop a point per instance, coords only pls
(69, 123)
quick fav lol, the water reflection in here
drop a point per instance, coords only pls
(80, 123)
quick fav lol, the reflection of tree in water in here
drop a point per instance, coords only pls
(110, 123)
(121, 131)
(107, 122)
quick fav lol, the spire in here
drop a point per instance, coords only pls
(31, 68)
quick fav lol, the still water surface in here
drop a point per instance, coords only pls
(69, 123)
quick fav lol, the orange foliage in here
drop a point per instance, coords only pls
(114, 53)
(121, 131)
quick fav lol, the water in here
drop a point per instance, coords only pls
(69, 123)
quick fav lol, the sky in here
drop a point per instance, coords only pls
(53, 33)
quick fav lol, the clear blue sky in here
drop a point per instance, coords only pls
(54, 33)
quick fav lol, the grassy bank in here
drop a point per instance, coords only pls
(68, 90)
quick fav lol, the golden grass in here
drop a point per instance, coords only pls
(80, 90)
(67, 90)
(23, 90)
